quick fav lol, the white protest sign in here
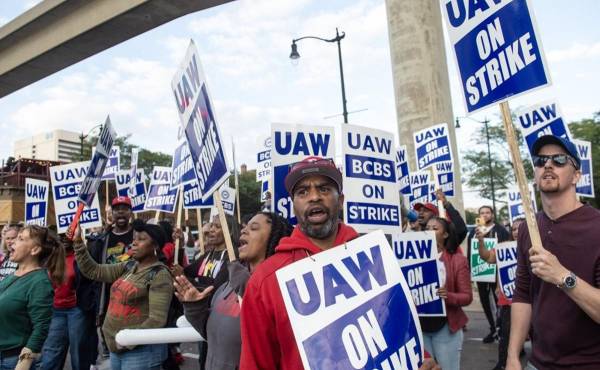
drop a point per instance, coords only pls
(138, 195)
(402, 171)
(263, 159)
(432, 145)
(542, 119)
(114, 164)
(133, 170)
(417, 256)
(506, 258)
(421, 188)
(193, 199)
(91, 182)
(585, 186)
(161, 197)
(264, 191)
(445, 174)
(227, 199)
(66, 184)
(480, 270)
(182, 167)
(371, 197)
(199, 123)
(291, 144)
(515, 203)
(496, 48)
(351, 307)
(36, 201)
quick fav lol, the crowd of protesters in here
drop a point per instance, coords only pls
(55, 291)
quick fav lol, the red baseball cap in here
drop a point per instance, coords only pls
(429, 206)
(312, 166)
(121, 200)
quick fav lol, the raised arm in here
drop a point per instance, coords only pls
(93, 270)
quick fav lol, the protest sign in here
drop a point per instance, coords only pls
(497, 50)
(421, 188)
(36, 201)
(351, 307)
(417, 256)
(227, 199)
(161, 197)
(432, 145)
(182, 167)
(371, 197)
(542, 119)
(515, 203)
(138, 195)
(445, 174)
(114, 164)
(402, 172)
(89, 185)
(585, 186)
(480, 270)
(199, 123)
(264, 191)
(263, 159)
(506, 258)
(66, 183)
(291, 144)
(133, 170)
(193, 199)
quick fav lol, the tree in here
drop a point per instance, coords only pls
(249, 192)
(477, 169)
(589, 129)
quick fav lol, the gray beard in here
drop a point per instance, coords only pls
(319, 231)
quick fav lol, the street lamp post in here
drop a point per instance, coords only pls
(489, 155)
(338, 37)
(83, 137)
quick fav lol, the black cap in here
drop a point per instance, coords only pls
(566, 144)
(154, 231)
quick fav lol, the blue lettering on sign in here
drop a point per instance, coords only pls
(429, 135)
(499, 57)
(305, 144)
(362, 167)
(367, 143)
(437, 150)
(264, 156)
(506, 254)
(369, 337)
(507, 276)
(282, 200)
(334, 284)
(538, 117)
(87, 216)
(70, 174)
(35, 210)
(372, 213)
(460, 11)
(188, 86)
(413, 249)
(36, 191)
(422, 280)
(556, 128)
(66, 190)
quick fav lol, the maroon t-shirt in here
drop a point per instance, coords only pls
(563, 335)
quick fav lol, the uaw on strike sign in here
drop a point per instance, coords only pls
(496, 47)
(350, 308)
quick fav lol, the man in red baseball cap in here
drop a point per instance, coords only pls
(428, 210)
(315, 186)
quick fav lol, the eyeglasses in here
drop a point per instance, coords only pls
(559, 160)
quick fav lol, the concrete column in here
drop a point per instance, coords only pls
(420, 72)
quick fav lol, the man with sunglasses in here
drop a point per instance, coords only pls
(557, 295)
(315, 186)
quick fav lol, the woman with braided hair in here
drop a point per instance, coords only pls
(218, 319)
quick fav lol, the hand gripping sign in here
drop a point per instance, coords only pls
(432, 145)
(497, 50)
(402, 171)
(291, 144)
(161, 197)
(506, 258)
(372, 200)
(480, 270)
(542, 119)
(138, 195)
(36, 201)
(66, 182)
(199, 123)
(417, 256)
(585, 186)
(351, 307)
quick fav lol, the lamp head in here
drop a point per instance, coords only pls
(457, 123)
(294, 54)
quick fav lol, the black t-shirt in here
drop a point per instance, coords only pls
(117, 247)
(432, 324)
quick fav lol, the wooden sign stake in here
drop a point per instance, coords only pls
(224, 226)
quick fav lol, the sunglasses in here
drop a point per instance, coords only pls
(559, 160)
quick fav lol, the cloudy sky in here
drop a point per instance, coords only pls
(244, 46)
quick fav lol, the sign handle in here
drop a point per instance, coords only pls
(436, 185)
(224, 226)
(200, 233)
(106, 189)
(75, 222)
(178, 226)
(511, 138)
(157, 217)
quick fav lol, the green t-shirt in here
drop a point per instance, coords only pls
(25, 310)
